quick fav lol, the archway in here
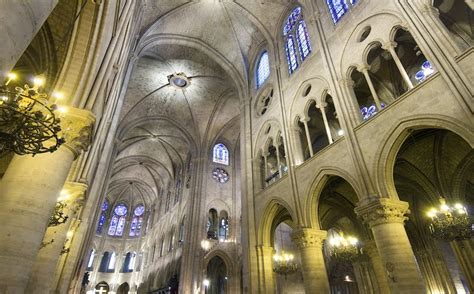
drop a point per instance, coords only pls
(102, 288)
(434, 163)
(336, 215)
(123, 289)
(217, 276)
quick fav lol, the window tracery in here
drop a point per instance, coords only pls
(338, 8)
(117, 223)
(137, 221)
(220, 154)
(295, 29)
(103, 216)
(263, 69)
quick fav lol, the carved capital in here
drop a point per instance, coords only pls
(308, 237)
(389, 45)
(347, 83)
(363, 68)
(382, 211)
(76, 127)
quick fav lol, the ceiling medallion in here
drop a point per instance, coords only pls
(179, 80)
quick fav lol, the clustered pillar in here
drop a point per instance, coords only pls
(28, 193)
(385, 218)
(310, 243)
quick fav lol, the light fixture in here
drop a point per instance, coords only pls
(283, 262)
(28, 124)
(179, 80)
(58, 217)
(340, 132)
(344, 248)
(450, 223)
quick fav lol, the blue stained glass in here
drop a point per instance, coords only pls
(139, 210)
(263, 69)
(291, 54)
(120, 209)
(303, 40)
(103, 216)
(338, 8)
(220, 154)
(113, 225)
(291, 20)
(120, 226)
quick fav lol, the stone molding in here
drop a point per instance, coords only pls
(76, 195)
(382, 211)
(76, 127)
(306, 237)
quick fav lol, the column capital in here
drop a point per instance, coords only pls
(347, 82)
(378, 211)
(389, 45)
(363, 68)
(321, 105)
(306, 237)
(429, 9)
(76, 127)
(304, 119)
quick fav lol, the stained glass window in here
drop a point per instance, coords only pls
(137, 221)
(291, 54)
(303, 40)
(263, 69)
(295, 27)
(103, 216)
(338, 8)
(117, 223)
(220, 154)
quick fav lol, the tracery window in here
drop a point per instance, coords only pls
(117, 223)
(263, 69)
(295, 29)
(338, 8)
(220, 154)
(137, 221)
(103, 216)
(223, 229)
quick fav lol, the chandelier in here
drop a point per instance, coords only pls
(28, 124)
(284, 264)
(58, 217)
(344, 248)
(450, 223)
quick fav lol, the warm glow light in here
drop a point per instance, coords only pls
(205, 244)
(340, 132)
(69, 234)
(63, 196)
(206, 283)
(12, 76)
(4, 98)
(58, 95)
(62, 109)
(38, 81)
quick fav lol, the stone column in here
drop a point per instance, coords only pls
(310, 243)
(21, 20)
(47, 259)
(382, 282)
(28, 194)
(385, 218)
(277, 147)
(308, 137)
(265, 269)
(298, 157)
(365, 71)
(265, 166)
(364, 277)
(390, 46)
(464, 251)
(325, 120)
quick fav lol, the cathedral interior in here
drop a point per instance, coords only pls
(236, 146)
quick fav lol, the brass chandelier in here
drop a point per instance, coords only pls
(283, 262)
(450, 223)
(28, 124)
(344, 248)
